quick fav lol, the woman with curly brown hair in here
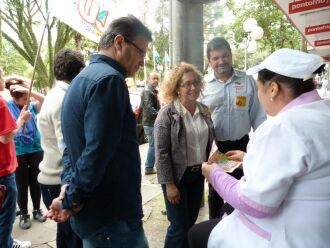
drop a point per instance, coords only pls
(183, 137)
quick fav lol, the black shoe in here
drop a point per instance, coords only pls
(38, 215)
(24, 221)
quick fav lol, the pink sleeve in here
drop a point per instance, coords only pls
(228, 188)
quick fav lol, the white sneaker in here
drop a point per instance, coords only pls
(21, 244)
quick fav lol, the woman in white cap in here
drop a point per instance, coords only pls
(284, 198)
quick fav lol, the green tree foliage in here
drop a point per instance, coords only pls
(160, 38)
(278, 31)
(23, 18)
(213, 20)
(13, 62)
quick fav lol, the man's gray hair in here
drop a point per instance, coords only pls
(128, 26)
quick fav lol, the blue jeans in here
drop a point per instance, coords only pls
(119, 234)
(149, 131)
(8, 212)
(182, 216)
(65, 236)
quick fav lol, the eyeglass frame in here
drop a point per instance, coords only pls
(141, 51)
(187, 86)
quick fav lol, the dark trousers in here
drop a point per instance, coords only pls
(26, 176)
(216, 204)
(199, 234)
(182, 216)
(65, 236)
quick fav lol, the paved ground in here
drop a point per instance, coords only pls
(42, 235)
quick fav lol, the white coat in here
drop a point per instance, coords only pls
(287, 172)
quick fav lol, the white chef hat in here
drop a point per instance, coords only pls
(290, 63)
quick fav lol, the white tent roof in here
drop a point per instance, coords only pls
(312, 19)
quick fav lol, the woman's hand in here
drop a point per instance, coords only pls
(207, 167)
(24, 116)
(172, 193)
(18, 88)
(18, 79)
(235, 155)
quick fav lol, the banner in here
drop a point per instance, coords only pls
(312, 20)
(90, 17)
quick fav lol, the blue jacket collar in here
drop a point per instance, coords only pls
(116, 65)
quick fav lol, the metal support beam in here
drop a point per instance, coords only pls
(187, 32)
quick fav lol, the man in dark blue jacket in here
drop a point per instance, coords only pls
(102, 172)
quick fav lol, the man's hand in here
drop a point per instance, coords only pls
(56, 213)
(207, 167)
(62, 193)
(172, 193)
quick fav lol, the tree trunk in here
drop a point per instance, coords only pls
(77, 41)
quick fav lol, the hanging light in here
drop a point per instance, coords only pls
(257, 33)
(249, 24)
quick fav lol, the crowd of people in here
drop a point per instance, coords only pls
(82, 155)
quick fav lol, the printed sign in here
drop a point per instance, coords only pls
(322, 42)
(312, 20)
(301, 6)
(317, 29)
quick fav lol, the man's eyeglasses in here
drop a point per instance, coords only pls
(188, 86)
(141, 51)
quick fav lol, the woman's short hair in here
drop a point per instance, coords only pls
(296, 86)
(128, 26)
(172, 82)
(67, 64)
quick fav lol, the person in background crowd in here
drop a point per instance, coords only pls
(183, 140)
(67, 64)
(8, 165)
(324, 86)
(101, 164)
(28, 149)
(150, 106)
(231, 96)
(283, 200)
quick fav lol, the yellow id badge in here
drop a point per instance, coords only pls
(241, 101)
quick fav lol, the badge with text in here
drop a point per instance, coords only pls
(239, 88)
(241, 101)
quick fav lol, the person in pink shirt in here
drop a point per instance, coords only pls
(283, 200)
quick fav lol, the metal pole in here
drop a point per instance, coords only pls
(171, 35)
(34, 66)
(245, 54)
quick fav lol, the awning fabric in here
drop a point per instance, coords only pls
(312, 19)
